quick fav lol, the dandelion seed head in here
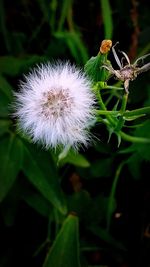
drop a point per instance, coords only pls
(55, 105)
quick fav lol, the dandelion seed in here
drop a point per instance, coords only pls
(54, 105)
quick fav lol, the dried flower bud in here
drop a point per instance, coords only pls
(105, 46)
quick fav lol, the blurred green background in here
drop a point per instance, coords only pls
(107, 187)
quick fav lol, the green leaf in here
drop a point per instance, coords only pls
(38, 202)
(4, 126)
(75, 159)
(65, 249)
(76, 41)
(134, 165)
(107, 18)
(64, 12)
(102, 168)
(90, 210)
(5, 97)
(132, 118)
(75, 44)
(141, 148)
(105, 236)
(80, 203)
(5, 87)
(97, 210)
(13, 66)
(52, 12)
(93, 68)
(103, 148)
(41, 172)
(4, 105)
(10, 163)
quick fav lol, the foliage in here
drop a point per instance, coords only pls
(86, 208)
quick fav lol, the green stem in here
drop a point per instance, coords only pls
(40, 248)
(64, 11)
(103, 107)
(107, 112)
(112, 194)
(109, 99)
(124, 103)
(113, 87)
(121, 119)
(144, 51)
(135, 112)
(134, 139)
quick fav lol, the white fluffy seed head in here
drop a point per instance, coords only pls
(55, 105)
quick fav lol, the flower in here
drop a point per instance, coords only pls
(55, 105)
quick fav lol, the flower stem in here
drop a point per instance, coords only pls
(112, 194)
(121, 119)
(113, 87)
(135, 112)
(107, 112)
(134, 139)
(124, 103)
(103, 107)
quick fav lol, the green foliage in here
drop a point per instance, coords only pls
(38, 188)
(75, 158)
(6, 89)
(103, 234)
(10, 163)
(4, 126)
(13, 66)
(38, 203)
(74, 43)
(134, 165)
(65, 249)
(143, 149)
(5, 97)
(41, 172)
(107, 18)
(94, 69)
(91, 211)
(102, 167)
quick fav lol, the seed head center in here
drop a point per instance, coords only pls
(56, 103)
